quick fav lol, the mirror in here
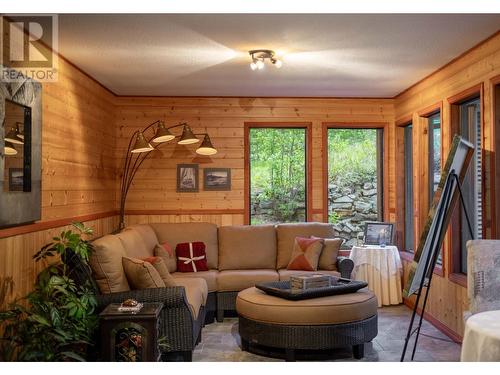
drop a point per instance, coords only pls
(20, 151)
(17, 147)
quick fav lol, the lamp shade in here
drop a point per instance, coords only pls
(162, 134)
(13, 136)
(9, 149)
(141, 145)
(187, 136)
(206, 147)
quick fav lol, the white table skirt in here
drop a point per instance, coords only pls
(482, 338)
(381, 268)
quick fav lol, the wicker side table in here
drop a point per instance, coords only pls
(130, 337)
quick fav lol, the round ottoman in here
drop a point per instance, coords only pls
(346, 320)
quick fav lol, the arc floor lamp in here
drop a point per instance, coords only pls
(139, 149)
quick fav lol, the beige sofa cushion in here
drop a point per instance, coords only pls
(247, 247)
(106, 263)
(285, 274)
(209, 276)
(256, 305)
(134, 244)
(174, 233)
(196, 293)
(329, 254)
(234, 281)
(141, 274)
(286, 234)
(147, 234)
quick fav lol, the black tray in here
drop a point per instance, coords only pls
(282, 289)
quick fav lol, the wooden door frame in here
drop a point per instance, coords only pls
(454, 230)
(385, 164)
(277, 125)
(494, 159)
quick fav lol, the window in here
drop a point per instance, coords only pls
(277, 163)
(434, 154)
(470, 129)
(408, 188)
(354, 180)
(434, 126)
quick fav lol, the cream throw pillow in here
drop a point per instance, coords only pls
(329, 254)
(141, 274)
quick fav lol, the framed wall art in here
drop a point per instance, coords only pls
(217, 179)
(187, 178)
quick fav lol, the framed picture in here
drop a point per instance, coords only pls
(217, 179)
(16, 179)
(378, 233)
(187, 178)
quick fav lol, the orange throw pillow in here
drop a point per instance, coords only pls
(305, 254)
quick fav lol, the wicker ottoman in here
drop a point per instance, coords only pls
(347, 320)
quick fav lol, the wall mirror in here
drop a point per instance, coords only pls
(20, 152)
(17, 148)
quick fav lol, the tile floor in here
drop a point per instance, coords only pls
(221, 342)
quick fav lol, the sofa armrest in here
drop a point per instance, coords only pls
(345, 267)
(169, 296)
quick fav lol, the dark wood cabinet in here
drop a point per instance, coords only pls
(130, 337)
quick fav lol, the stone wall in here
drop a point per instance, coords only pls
(349, 207)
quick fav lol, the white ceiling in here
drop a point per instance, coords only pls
(355, 55)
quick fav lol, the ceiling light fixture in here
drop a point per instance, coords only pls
(259, 56)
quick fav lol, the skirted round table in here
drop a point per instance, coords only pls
(381, 268)
(482, 338)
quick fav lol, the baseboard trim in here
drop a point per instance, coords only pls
(436, 323)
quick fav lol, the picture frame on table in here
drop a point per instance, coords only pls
(217, 179)
(187, 178)
(379, 233)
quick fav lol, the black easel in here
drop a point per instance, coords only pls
(436, 243)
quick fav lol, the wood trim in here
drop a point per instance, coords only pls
(454, 228)
(404, 121)
(44, 225)
(439, 269)
(431, 110)
(277, 124)
(448, 63)
(324, 154)
(458, 278)
(466, 94)
(436, 323)
(200, 211)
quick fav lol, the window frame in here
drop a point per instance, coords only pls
(384, 126)
(423, 123)
(455, 101)
(401, 184)
(308, 162)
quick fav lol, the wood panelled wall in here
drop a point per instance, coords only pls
(477, 68)
(154, 189)
(78, 170)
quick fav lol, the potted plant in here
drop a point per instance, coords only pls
(57, 320)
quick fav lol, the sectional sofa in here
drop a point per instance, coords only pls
(238, 257)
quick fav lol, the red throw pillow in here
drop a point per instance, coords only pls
(191, 257)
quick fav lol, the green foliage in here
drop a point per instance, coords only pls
(54, 322)
(277, 158)
(352, 156)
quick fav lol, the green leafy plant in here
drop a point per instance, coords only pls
(56, 321)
